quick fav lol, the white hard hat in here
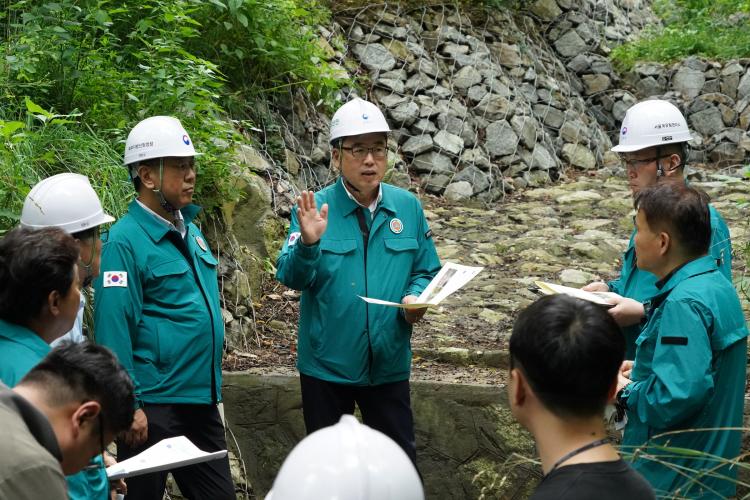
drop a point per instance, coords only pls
(357, 117)
(652, 123)
(347, 461)
(66, 201)
(157, 137)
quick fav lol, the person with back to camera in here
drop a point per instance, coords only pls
(653, 147)
(686, 387)
(565, 354)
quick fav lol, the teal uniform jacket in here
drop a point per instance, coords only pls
(342, 339)
(165, 323)
(689, 373)
(21, 350)
(640, 285)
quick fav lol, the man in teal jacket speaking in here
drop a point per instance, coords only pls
(157, 307)
(684, 393)
(652, 144)
(368, 239)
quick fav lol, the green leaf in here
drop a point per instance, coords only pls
(242, 18)
(32, 107)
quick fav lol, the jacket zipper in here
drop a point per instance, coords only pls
(365, 230)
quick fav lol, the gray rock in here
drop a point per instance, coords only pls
(526, 128)
(507, 55)
(477, 92)
(579, 63)
(570, 44)
(575, 277)
(375, 56)
(596, 83)
(601, 65)
(711, 86)
(419, 82)
(688, 81)
(498, 88)
(493, 106)
(395, 74)
(587, 32)
(547, 10)
(732, 68)
(500, 140)
(539, 158)
(417, 145)
(392, 100)
(428, 67)
(433, 162)
(479, 180)
(448, 142)
(466, 77)
(396, 86)
(474, 157)
(551, 117)
(397, 32)
(579, 156)
(743, 90)
(404, 114)
(454, 49)
(578, 197)
(435, 184)
(424, 126)
(649, 86)
(458, 191)
(707, 122)
(438, 92)
(619, 110)
(696, 64)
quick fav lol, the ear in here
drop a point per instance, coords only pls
(85, 416)
(612, 390)
(674, 164)
(665, 243)
(335, 159)
(53, 302)
(519, 388)
(147, 176)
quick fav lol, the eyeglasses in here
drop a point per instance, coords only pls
(636, 164)
(361, 152)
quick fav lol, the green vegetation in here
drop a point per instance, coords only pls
(76, 75)
(717, 29)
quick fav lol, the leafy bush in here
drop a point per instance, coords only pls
(718, 29)
(102, 66)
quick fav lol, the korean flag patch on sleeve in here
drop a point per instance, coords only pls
(115, 278)
(293, 238)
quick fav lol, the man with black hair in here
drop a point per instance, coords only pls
(685, 389)
(158, 308)
(564, 357)
(62, 413)
(653, 140)
(39, 296)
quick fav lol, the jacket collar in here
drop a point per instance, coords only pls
(349, 205)
(701, 265)
(22, 335)
(154, 228)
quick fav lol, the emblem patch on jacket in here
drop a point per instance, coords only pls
(115, 278)
(293, 238)
(396, 226)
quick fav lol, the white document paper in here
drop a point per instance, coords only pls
(595, 297)
(167, 454)
(451, 278)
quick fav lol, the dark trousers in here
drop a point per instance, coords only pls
(202, 425)
(385, 407)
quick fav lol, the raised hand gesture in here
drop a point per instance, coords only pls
(312, 224)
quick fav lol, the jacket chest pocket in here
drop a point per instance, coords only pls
(170, 280)
(401, 251)
(333, 253)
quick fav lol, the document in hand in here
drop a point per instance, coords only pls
(595, 297)
(450, 278)
(167, 454)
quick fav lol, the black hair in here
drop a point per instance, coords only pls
(33, 264)
(86, 234)
(679, 210)
(570, 351)
(86, 372)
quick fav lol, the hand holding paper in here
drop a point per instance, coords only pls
(450, 279)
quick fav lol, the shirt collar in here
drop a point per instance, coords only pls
(701, 265)
(372, 205)
(154, 226)
(179, 220)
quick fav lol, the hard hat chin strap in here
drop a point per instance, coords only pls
(157, 190)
